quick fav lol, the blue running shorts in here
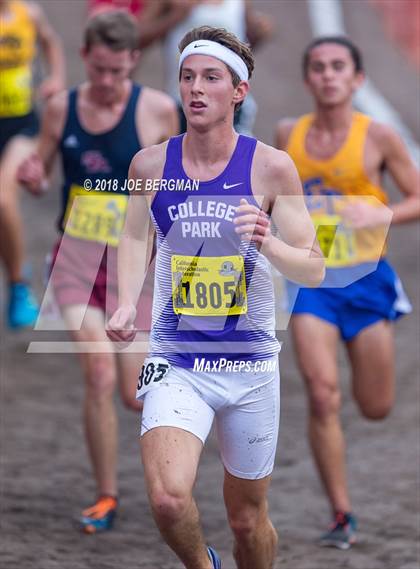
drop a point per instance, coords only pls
(374, 297)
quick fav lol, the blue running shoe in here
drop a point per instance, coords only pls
(342, 533)
(23, 308)
(214, 558)
(100, 516)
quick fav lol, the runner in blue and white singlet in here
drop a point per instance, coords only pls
(213, 292)
(213, 346)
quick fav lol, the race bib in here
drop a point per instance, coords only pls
(152, 373)
(208, 286)
(97, 216)
(337, 242)
(15, 92)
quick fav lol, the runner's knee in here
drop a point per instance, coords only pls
(324, 399)
(245, 522)
(8, 199)
(9, 187)
(375, 410)
(169, 506)
(100, 377)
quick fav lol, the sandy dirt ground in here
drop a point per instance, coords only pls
(45, 477)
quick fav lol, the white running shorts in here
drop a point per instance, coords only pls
(245, 405)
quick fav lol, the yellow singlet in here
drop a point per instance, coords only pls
(17, 50)
(332, 184)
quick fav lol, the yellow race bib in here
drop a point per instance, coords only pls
(208, 286)
(337, 242)
(15, 92)
(95, 216)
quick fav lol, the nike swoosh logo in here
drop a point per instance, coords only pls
(229, 186)
(200, 45)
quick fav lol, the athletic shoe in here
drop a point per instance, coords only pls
(214, 558)
(342, 532)
(23, 308)
(100, 516)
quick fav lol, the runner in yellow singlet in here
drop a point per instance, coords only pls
(341, 157)
(21, 25)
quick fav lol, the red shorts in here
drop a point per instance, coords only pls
(85, 272)
(133, 6)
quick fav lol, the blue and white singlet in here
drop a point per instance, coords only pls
(214, 294)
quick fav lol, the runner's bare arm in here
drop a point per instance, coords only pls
(135, 247)
(390, 155)
(282, 134)
(53, 51)
(402, 170)
(33, 171)
(259, 27)
(296, 253)
(156, 117)
(169, 117)
(158, 18)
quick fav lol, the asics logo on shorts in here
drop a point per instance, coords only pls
(263, 439)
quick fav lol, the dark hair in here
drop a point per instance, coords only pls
(115, 29)
(339, 40)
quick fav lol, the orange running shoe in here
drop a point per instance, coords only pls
(100, 516)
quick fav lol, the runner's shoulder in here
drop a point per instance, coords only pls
(158, 103)
(35, 11)
(55, 111)
(272, 159)
(57, 105)
(149, 162)
(271, 166)
(284, 128)
(383, 137)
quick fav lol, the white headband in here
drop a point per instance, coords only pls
(219, 51)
